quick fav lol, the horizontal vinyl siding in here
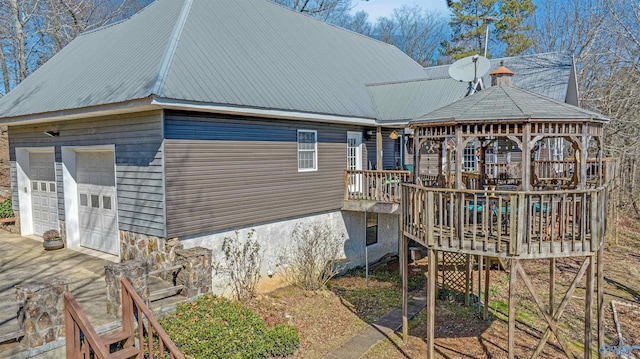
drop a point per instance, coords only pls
(224, 173)
(139, 162)
(389, 149)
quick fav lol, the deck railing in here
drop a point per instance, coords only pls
(505, 223)
(379, 186)
(141, 335)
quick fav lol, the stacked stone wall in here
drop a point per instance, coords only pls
(42, 314)
(136, 272)
(196, 272)
(158, 253)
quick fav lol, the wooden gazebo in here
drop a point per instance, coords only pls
(499, 192)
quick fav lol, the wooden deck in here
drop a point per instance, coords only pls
(506, 224)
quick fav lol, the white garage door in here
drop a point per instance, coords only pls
(44, 201)
(97, 200)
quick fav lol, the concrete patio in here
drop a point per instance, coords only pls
(24, 261)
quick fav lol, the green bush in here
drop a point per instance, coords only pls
(284, 339)
(214, 327)
(6, 210)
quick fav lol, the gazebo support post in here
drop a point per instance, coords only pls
(526, 157)
(513, 272)
(588, 308)
(600, 275)
(431, 302)
(404, 249)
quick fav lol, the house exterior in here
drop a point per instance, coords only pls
(195, 118)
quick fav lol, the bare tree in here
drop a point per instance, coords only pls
(32, 31)
(416, 32)
(327, 10)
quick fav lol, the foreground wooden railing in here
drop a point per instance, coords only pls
(538, 224)
(141, 335)
(379, 186)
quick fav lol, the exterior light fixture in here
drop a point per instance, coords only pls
(52, 133)
(394, 135)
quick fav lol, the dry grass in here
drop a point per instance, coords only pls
(328, 319)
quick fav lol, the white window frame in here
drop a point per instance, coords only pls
(315, 150)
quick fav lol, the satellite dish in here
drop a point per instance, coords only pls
(470, 68)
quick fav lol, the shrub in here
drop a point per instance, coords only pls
(314, 256)
(6, 209)
(284, 339)
(51, 235)
(242, 261)
(214, 327)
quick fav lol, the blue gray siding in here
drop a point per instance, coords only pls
(225, 172)
(390, 150)
(139, 162)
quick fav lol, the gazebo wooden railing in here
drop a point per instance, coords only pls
(141, 335)
(379, 186)
(535, 224)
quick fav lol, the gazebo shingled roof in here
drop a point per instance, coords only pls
(505, 103)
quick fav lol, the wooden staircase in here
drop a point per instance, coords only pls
(141, 335)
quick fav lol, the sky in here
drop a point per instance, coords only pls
(378, 8)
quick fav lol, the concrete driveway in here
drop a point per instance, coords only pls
(24, 261)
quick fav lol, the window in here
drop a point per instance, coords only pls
(372, 228)
(84, 201)
(469, 157)
(95, 201)
(307, 150)
(106, 202)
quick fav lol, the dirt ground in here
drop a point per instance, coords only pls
(328, 319)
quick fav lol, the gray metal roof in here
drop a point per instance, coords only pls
(547, 74)
(508, 102)
(249, 53)
(409, 100)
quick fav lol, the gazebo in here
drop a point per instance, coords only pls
(510, 175)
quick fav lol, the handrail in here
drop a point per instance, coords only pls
(506, 192)
(131, 297)
(380, 186)
(505, 223)
(76, 322)
(82, 339)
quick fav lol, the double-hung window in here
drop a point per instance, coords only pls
(307, 150)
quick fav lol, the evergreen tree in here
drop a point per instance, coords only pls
(469, 21)
(511, 28)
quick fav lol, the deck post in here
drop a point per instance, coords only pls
(404, 248)
(588, 309)
(480, 264)
(552, 284)
(600, 284)
(431, 302)
(467, 280)
(379, 148)
(487, 274)
(513, 272)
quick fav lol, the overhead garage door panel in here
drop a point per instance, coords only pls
(44, 202)
(97, 201)
(95, 168)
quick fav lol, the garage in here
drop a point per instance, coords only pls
(44, 200)
(98, 220)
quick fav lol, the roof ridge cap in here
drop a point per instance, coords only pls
(512, 100)
(170, 50)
